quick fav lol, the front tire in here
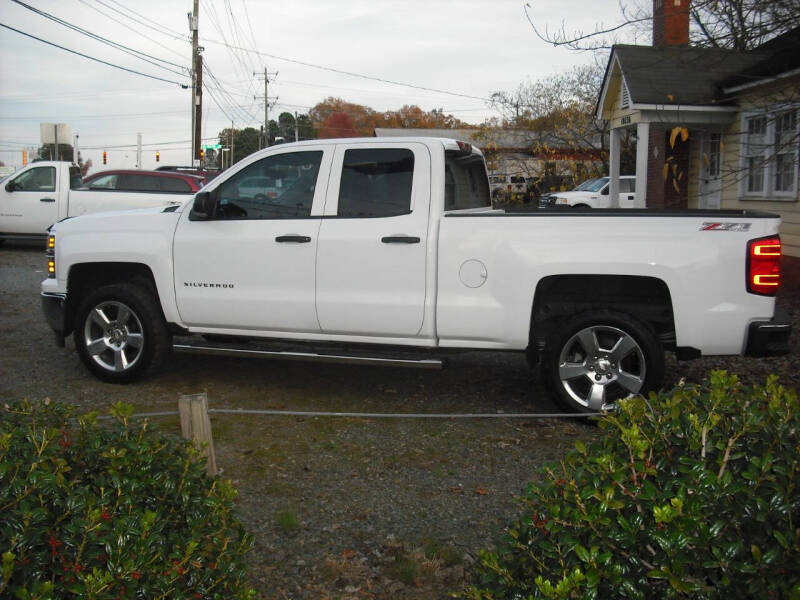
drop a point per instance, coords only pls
(596, 358)
(120, 332)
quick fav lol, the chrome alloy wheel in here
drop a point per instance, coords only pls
(599, 365)
(113, 336)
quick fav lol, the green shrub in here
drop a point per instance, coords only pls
(692, 494)
(112, 511)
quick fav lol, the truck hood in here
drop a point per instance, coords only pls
(138, 219)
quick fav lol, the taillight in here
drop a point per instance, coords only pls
(764, 265)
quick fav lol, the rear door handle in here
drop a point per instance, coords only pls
(400, 239)
(299, 239)
(47, 199)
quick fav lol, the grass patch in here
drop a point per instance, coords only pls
(404, 568)
(446, 553)
(287, 520)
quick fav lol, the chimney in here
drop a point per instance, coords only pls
(670, 23)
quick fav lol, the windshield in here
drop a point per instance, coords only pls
(585, 185)
(596, 185)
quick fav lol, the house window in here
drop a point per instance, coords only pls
(786, 151)
(770, 155)
(755, 149)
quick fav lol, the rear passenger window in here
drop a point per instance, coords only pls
(173, 184)
(138, 183)
(376, 182)
(106, 182)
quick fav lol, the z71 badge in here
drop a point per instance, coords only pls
(725, 227)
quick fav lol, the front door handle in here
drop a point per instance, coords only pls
(400, 239)
(47, 199)
(299, 239)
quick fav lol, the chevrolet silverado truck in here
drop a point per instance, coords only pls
(43, 192)
(380, 251)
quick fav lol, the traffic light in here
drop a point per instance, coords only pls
(158, 155)
(24, 157)
(105, 158)
(202, 154)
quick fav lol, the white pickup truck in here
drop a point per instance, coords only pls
(593, 193)
(389, 252)
(41, 193)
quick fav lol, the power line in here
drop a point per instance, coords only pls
(224, 93)
(129, 27)
(135, 53)
(216, 22)
(96, 117)
(157, 27)
(349, 73)
(183, 85)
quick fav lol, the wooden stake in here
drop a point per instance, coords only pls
(196, 426)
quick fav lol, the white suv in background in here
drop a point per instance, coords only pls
(594, 193)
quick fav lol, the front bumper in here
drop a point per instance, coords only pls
(55, 312)
(769, 338)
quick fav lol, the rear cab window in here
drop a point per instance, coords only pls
(466, 184)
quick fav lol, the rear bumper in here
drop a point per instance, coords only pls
(769, 338)
(55, 312)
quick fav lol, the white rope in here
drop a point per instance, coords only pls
(301, 413)
(359, 415)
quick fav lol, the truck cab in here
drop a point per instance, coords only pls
(35, 197)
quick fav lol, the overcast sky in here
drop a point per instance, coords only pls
(468, 47)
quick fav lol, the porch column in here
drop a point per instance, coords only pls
(613, 168)
(642, 148)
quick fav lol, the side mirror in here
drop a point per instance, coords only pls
(604, 191)
(203, 206)
(12, 186)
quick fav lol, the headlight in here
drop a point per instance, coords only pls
(561, 200)
(51, 256)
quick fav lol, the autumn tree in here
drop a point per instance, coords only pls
(338, 125)
(366, 120)
(360, 118)
(553, 118)
(84, 165)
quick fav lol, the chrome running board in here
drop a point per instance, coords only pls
(427, 363)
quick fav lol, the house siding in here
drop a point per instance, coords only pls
(781, 92)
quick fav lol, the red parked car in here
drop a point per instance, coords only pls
(137, 180)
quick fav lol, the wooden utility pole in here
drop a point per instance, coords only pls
(266, 102)
(194, 16)
(198, 118)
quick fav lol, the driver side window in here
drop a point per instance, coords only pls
(277, 187)
(38, 179)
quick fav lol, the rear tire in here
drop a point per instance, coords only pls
(120, 332)
(596, 358)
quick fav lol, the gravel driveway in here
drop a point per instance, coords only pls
(343, 507)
